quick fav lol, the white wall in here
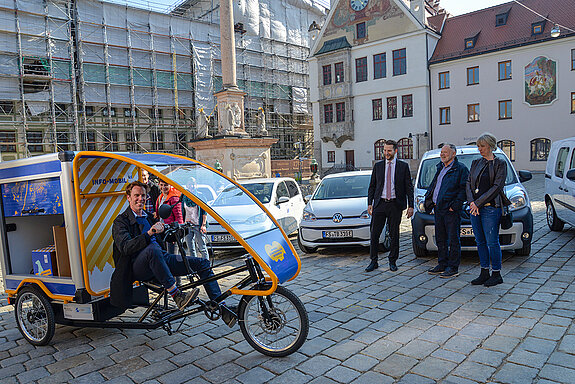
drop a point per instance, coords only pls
(554, 121)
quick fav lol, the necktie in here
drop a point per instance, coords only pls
(388, 181)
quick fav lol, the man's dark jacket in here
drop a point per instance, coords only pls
(452, 188)
(129, 241)
(403, 185)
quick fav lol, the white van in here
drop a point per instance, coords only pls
(560, 184)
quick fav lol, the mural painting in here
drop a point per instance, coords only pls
(541, 81)
(344, 17)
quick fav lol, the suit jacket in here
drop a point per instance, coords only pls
(403, 185)
(129, 241)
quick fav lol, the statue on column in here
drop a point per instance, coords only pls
(232, 119)
(202, 125)
(261, 123)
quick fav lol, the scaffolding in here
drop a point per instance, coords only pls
(94, 75)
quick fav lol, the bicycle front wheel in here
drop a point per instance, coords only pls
(276, 325)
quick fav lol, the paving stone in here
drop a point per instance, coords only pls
(279, 366)
(292, 376)
(558, 373)
(32, 375)
(418, 348)
(91, 378)
(361, 363)
(180, 375)
(438, 334)
(546, 331)
(58, 378)
(483, 356)
(513, 373)
(68, 363)
(313, 346)
(217, 359)
(223, 373)
(567, 345)
(152, 370)
(317, 365)
(255, 375)
(396, 365)
(474, 371)
(537, 345)
(501, 343)
(562, 359)
(448, 355)
(434, 368)
(373, 377)
(344, 349)
(415, 379)
(342, 374)
(527, 358)
(123, 368)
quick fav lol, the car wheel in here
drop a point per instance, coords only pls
(305, 249)
(554, 223)
(417, 250)
(525, 251)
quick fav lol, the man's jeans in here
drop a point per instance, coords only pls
(486, 231)
(153, 261)
(198, 236)
(447, 232)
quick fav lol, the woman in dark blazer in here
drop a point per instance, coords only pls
(484, 188)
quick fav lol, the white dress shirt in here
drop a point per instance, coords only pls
(392, 176)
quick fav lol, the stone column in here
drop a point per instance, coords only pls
(228, 45)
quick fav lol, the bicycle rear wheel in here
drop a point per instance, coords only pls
(276, 325)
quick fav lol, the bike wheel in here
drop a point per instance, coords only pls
(276, 325)
(34, 316)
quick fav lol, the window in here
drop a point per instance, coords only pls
(8, 140)
(501, 19)
(90, 143)
(292, 188)
(504, 109)
(111, 141)
(561, 161)
(572, 102)
(132, 139)
(472, 75)
(443, 80)
(405, 148)
(392, 107)
(399, 62)
(127, 112)
(361, 31)
(573, 59)
(540, 149)
(157, 140)
(470, 42)
(326, 74)
(379, 70)
(89, 110)
(281, 191)
(378, 149)
(328, 113)
(331, 156)
(508, 146)
(376, 107)
(112, 111)
(572, 160)
(156, 113)
(444, 115)
(537, 28)
(472, 112)
(361, 69)
(339, 112)
(63, 141)
(339, 78)
(34, 137)
(6, 107)
(407, 105)
(505, 70)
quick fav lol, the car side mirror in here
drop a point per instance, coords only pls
(525, 176)
(307, 198)
(571, 174)
(165, 211)
(283, 199)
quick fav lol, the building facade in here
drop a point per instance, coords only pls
(89, 74)
(500, 70)
(369, 80)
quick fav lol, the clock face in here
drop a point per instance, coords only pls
(358, 5)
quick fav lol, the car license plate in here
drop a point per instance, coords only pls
(466, 232)
(336, 234)
(223, 239)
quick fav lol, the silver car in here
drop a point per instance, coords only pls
(336, 214)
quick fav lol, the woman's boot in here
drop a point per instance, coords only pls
(483, 277)
(494, 279)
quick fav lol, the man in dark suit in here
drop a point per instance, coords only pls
(390, 192)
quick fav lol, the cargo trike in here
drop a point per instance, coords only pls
(57, 212)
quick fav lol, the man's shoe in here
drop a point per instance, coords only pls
(494, 279)
(229, 314)
(438, 269)
(373, 265)
(449, 273)
(392, 266)
(183, 299)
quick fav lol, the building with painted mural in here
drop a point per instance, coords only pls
(500, 70)
(369, 80)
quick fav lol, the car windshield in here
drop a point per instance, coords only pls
(342, 187)
(428, 169)
(262, 191)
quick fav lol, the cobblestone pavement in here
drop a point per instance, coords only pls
(378, 327)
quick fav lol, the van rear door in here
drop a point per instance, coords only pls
(568, 187)
(556, 189)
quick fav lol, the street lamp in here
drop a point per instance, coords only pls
(313, 30)
(555, 32)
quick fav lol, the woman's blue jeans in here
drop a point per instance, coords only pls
(486, 231)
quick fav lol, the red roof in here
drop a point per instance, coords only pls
(516, 31)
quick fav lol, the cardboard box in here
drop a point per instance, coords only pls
(63, 261)
(44, 261)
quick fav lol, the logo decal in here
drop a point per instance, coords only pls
(337, 218)
(275, 251)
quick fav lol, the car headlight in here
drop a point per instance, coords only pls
(308, 216)
(255, 219)
(519, 200)
(365, 215)
(420, 203)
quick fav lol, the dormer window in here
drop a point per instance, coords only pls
(470, 41)
(501, 18)
(537, 28)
